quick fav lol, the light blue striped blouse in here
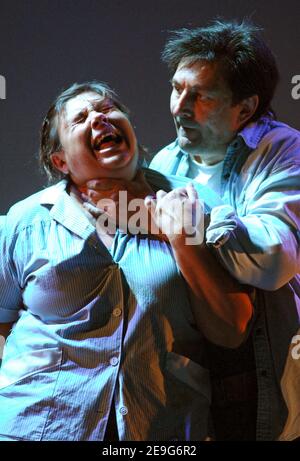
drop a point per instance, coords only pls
(95, 328)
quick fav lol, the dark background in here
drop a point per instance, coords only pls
(47, 45)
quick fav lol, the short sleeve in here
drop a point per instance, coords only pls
(10, 291)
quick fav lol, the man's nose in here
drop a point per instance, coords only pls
(183, 106)
(98, 119)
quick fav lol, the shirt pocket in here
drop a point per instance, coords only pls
(18, 368)
(190, 373)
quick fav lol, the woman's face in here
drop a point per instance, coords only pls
(98, 140)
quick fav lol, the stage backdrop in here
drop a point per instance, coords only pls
(47, 45)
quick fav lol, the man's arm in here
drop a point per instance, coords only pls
(261, 247)
(259, 244)
(222, 307)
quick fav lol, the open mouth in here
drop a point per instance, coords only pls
(106, 141)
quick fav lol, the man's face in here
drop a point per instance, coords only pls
(201, 105)
(98, 140)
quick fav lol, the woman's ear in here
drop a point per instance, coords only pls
(58, 160)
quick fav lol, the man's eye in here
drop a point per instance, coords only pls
(204, 97)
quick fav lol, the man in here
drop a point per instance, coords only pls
(223, 80)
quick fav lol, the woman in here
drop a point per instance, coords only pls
(102, 327)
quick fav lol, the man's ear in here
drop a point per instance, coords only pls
(59, 162)
(248, 107)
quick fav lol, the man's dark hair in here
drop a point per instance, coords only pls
(50, 141)
(246, 63)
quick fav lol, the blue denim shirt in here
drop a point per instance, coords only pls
(256, 234)
(94, 328)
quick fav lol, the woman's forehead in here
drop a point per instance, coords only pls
(85, 100)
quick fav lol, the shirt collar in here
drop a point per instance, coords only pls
(66, 211)
(50, 195)
(253, 133)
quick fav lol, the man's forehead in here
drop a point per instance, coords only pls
(199, 72)
(196, 66)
